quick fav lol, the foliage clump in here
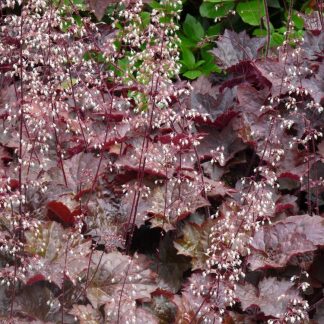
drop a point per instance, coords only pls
(131, 195)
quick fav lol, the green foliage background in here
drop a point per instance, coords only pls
(203, 21)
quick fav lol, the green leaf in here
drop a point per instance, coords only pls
(193, 28)
(187, 42)
(65, 25)
(68, 83)
(97, 57)
(193, 74)
(208, 9)
(123, 63)
(207, 56)
(298, 21)
(165, 19)
(199, 63)
(209, 65)
(145, 17)
(188, 58)
(78, 20)
(281, 30)
(273, 4)
(214, 30)
(209, 68)
(154, 4)
(266, 25)
(80, 4)
(300, 33)
(276, 39)
(259, 32)
(251, 12)
(67, 8)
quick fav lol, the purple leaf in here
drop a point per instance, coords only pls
(99, 6)
(275, 244)
(313, 46)
(195, 242)
(127, 311)
(116, 276)
(86, 314)
(201, 295)
(226, 139)
(170, 266)
(273, 297)
(214, 106)
(54, 252)
(166, 204)
(233, 48)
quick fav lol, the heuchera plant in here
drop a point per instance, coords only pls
(130, 196)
